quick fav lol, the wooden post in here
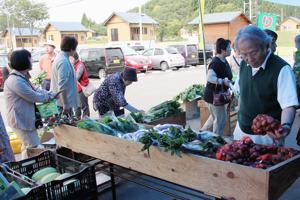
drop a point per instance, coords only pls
(204, 112)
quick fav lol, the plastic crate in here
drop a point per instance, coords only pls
(83, 188)
(74, 155)
(48, 109)
(37, 192)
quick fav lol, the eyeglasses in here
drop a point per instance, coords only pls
(251, 53)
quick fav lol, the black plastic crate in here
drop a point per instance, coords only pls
(37, 192)
(83, 188)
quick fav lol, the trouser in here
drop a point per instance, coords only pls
(217, 119)
(46, 84)
(83, 108)
(28, 138)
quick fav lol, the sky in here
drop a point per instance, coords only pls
(97, 10)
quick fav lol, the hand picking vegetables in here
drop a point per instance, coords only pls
(262, 124)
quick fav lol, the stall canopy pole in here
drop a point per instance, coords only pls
(201, 31)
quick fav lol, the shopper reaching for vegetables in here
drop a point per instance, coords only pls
(266, 84)
(109, 97)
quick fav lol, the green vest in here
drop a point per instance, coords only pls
(258, 93)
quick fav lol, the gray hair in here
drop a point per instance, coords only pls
(253, 33)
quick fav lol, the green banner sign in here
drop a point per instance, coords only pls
(266, 21)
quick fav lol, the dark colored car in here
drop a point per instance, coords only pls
(189, 52)
(209, 55)
(101, 61)
(3, 69)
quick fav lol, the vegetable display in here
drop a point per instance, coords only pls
(245, 152)
(165, 109)
(115, 126)
(262, 124)
(171, 140)
(191, 93)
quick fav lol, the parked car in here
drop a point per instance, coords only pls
(165, 58)
(133, 59)
(3, 69)
(189, 52)
(102, 61)
(209, 55)
(138, 48)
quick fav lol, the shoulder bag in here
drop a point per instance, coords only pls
(221, 97)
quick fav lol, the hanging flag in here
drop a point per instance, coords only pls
(201, 46)
(266, 21)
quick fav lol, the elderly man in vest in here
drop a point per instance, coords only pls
(266, 84)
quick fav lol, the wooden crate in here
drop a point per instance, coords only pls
(179, 118)
(230, 122)
(191, 109)
(214, 177)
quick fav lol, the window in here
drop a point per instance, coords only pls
(83, 54)
(297, 26)
(148, 52)
(145, 31)
(50, 37)
(82, 38)
(114, 34)
(158, 52)
(93, 55)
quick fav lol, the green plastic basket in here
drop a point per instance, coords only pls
(48, 109)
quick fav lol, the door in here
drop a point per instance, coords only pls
(158, 57)
(115, 60)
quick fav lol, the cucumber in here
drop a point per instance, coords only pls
(37, 176)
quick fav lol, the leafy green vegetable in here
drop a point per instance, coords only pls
(39, 79)
(120, 124)
(170, 141)
(191, 93)
(92, 125)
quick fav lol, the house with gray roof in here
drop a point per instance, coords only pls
(216, 25)
(126, 27)
(55, 31)
(20, 37)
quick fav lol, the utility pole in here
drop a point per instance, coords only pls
(202, 34)
(141, 26)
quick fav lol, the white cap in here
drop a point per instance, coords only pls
(50, 43)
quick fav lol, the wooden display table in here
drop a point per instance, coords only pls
(214, 177)
(179, 118)
(230, 122)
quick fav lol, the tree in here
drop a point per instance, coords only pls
(25, 13)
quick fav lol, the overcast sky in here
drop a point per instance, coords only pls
(97, 10)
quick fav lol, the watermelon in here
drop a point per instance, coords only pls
(63, 176)
(37, 176)
(49, 177)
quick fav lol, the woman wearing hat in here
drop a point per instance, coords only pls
(109, 97)
(46, 63)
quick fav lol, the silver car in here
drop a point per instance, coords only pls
(165, 58)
